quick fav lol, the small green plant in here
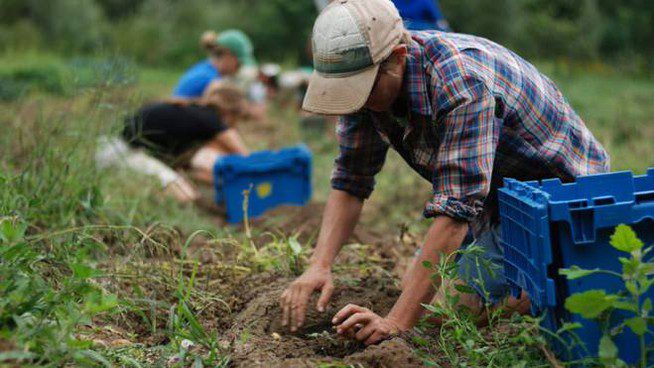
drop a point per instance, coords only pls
(294, 253)
(39, 316)
(460, 341)
(598, 305)
(186, 327)
(281, 253)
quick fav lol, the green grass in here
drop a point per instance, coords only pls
(66, 226)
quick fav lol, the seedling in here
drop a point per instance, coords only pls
(460, 342)
(637, 277)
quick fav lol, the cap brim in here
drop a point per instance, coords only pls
(339, 95)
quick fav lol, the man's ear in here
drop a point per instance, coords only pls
(400, 51)
(399, 54)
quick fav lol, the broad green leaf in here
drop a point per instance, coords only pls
(624, 239)
(627, 306)
(11, 231)
(638, 325)
(608, 352)
(631, 287)
(427, 264)
(97, 303)
(648, 268)
(575, 272)
(82, 271)
(589, 304)
(295, 246)
(646, 285)
(629, 265)
(647, 306)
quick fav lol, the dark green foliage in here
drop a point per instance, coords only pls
(16, 83)
(78, 73)
(165, 32)
(580, 29)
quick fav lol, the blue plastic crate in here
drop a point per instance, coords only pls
(274, 177)
(549, 225)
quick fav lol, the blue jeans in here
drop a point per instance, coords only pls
(482, 266)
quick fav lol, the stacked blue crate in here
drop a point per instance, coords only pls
(549, 225)
(272, 178)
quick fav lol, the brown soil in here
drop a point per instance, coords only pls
(247, 317)
(257, 338)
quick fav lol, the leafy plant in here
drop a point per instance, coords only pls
(637, 277)
(461, 342)
(40, 316)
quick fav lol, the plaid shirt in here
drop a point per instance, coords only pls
(472, 112)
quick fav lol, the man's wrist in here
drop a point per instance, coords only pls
(399, 324)
(319, 263)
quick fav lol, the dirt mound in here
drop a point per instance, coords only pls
(258, 339)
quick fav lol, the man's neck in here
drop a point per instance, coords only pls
(401, 105)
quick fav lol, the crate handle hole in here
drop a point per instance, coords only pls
(581, 203)
(603, 201)
(645, 197)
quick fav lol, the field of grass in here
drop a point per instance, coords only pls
(97, 268)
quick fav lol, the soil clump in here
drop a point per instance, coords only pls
(258, 339)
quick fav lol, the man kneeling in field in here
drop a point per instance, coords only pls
(464, 113)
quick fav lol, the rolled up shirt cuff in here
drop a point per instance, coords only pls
(465, 210)
(352, 187)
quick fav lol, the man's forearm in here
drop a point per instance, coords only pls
(444, 237)
(341, 216)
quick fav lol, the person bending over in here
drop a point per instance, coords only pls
(193, 132)
(464, 113)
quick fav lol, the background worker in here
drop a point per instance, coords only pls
(228, 51)
(464, 113)
(162, 135)
(418, 15)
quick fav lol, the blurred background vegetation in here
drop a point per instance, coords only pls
(165, 32)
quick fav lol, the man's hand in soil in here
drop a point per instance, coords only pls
(341, 215)
(364, 325)
(295, 298)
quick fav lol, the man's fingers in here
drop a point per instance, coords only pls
(365, 332)
(301, 310)
(347, 311)
(357, 318)
(325, 295)
(294, 305)
(286, 307)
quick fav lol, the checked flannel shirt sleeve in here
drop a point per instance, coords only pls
(465, 115)
(361, 157)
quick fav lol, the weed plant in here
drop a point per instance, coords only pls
(459, 341)
(627, 310)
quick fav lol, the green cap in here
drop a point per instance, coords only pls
(238, 44)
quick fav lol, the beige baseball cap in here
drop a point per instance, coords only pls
(350, 40)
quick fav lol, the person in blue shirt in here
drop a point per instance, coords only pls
(228, 51)
(418, 15)
(421, 15)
